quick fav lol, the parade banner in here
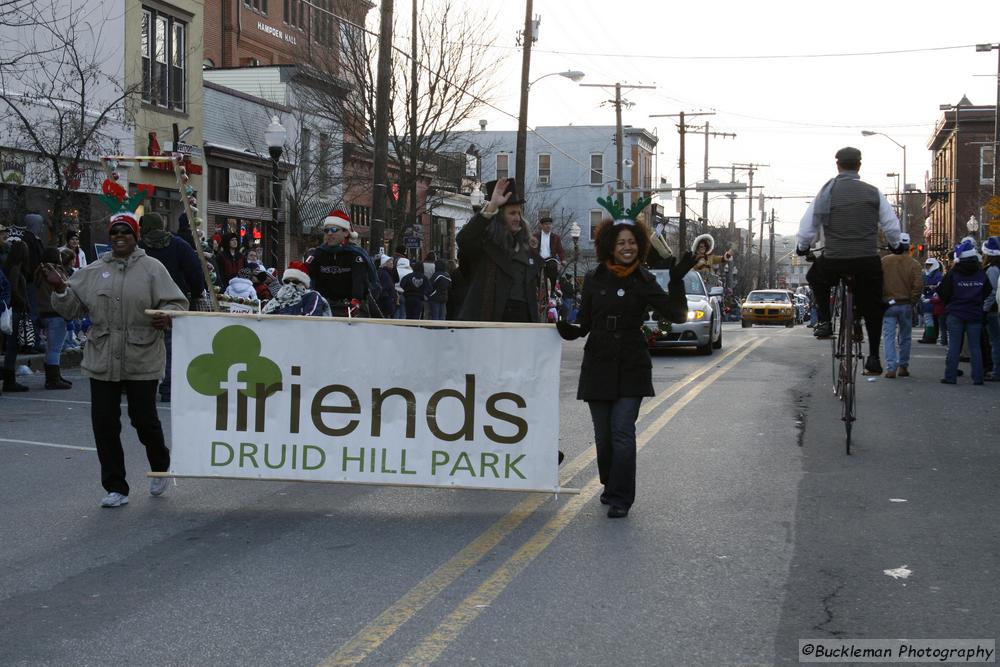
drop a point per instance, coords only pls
(373, 402)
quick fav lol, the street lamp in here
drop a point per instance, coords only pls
(973, 226)
(274, 137)
(899, 201)
(574, 233)
(522, 122)
(572, 74)
(996, 113)
(868, 133)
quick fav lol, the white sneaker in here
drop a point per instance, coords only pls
(114, 499)
(158, 485)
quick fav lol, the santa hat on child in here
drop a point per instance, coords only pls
(125, 218)
(337, 219)
(991, 246)
(297, 271)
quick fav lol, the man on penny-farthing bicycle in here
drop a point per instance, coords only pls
(339, 270)
(848, 213)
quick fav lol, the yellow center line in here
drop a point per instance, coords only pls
(436, 642)
(387, 623)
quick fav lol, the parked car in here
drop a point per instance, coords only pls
(768, 307)
(703, 329)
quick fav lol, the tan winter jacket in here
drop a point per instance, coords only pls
(902, 279)
(122, 343)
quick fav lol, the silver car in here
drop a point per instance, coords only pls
(703, 329)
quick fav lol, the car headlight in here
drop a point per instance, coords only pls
(694, 315)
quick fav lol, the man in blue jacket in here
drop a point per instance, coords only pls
(183, 266)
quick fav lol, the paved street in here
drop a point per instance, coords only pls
(751, 530)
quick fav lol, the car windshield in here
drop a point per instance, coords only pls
(768, 297)
(692, 282)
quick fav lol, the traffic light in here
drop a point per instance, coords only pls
(920, 247)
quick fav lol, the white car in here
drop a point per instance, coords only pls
(703, 329)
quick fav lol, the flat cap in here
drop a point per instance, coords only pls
(848, 154)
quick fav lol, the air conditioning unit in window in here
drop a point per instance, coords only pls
(543, 180)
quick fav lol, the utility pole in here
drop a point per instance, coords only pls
(760, 243)
(770, 259)
(413, 120)
(704, 195)
(732, 212)
(682, 128)
(619, 140)
(381, 150)
(619, 133)
(527, 39)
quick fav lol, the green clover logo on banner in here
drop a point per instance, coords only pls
(208, 373)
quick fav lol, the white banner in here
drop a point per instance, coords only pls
(317, 399)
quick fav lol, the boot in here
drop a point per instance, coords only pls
(52, 379)
(10, 383)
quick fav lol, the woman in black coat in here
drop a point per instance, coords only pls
(495, 253)
(617, 371)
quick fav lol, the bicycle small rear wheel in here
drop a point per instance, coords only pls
(851, 349)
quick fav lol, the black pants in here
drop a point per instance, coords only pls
(105, 416)
(867, 272)
(614, 436)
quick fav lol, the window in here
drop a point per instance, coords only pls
(305, 157)
(596, 215)
(986, 164)
(163, 42)
(596, 168)
(294, 13)
(218, 183)
(503, 166)
(263, 191)
(544, 168)
(322, 22)
(258, 5)
(324, 160)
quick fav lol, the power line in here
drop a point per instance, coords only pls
(776, 56)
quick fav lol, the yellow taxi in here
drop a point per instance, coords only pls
(768, 307)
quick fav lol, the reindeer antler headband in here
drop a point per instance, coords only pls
(621, 216)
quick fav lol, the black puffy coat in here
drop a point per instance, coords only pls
(616, 361)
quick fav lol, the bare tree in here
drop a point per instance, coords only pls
(454, 80)
(64, 103)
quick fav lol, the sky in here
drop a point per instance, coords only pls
(791, 112)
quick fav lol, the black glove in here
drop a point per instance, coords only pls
(568, 331)
(800, 251)
(679, 269)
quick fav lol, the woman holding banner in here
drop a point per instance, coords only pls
(495, 253)
(125, 348)
(617, 371)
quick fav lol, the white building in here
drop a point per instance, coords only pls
(567, 169)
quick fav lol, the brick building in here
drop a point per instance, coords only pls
(248, 33)
(961, 179)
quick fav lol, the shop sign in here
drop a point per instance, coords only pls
(242, 188)
(277, 33)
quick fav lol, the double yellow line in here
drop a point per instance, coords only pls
(373, 635)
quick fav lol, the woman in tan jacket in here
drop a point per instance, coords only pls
(124, 349)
